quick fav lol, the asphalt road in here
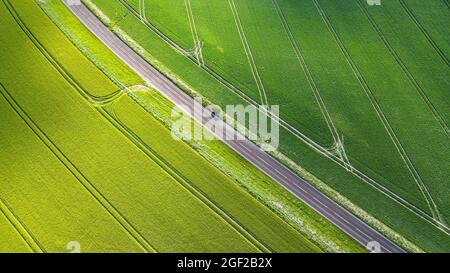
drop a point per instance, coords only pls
(302, 189)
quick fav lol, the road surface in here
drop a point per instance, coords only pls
(302, 189)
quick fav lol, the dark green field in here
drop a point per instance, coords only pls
(367, 84)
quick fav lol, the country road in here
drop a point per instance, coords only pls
(301, 188)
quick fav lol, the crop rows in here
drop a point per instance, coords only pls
(398, 143)
(154, 175)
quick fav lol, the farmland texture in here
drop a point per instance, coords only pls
(82, 161)
(365, 86)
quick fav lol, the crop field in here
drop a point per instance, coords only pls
(83, 161)
(363, 90)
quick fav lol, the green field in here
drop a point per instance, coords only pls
(372, 77)
(82, 162)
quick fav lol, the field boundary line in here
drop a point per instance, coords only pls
(97, 195)
(447, 3)
(79, 176)
(198, 45)
(423, 187)
(68, 77)
(248, 52)
(321, 150)
(142, 9)
(373, 100)
(26, 235)
(416, 21)
(338, 143)
(405, 69)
